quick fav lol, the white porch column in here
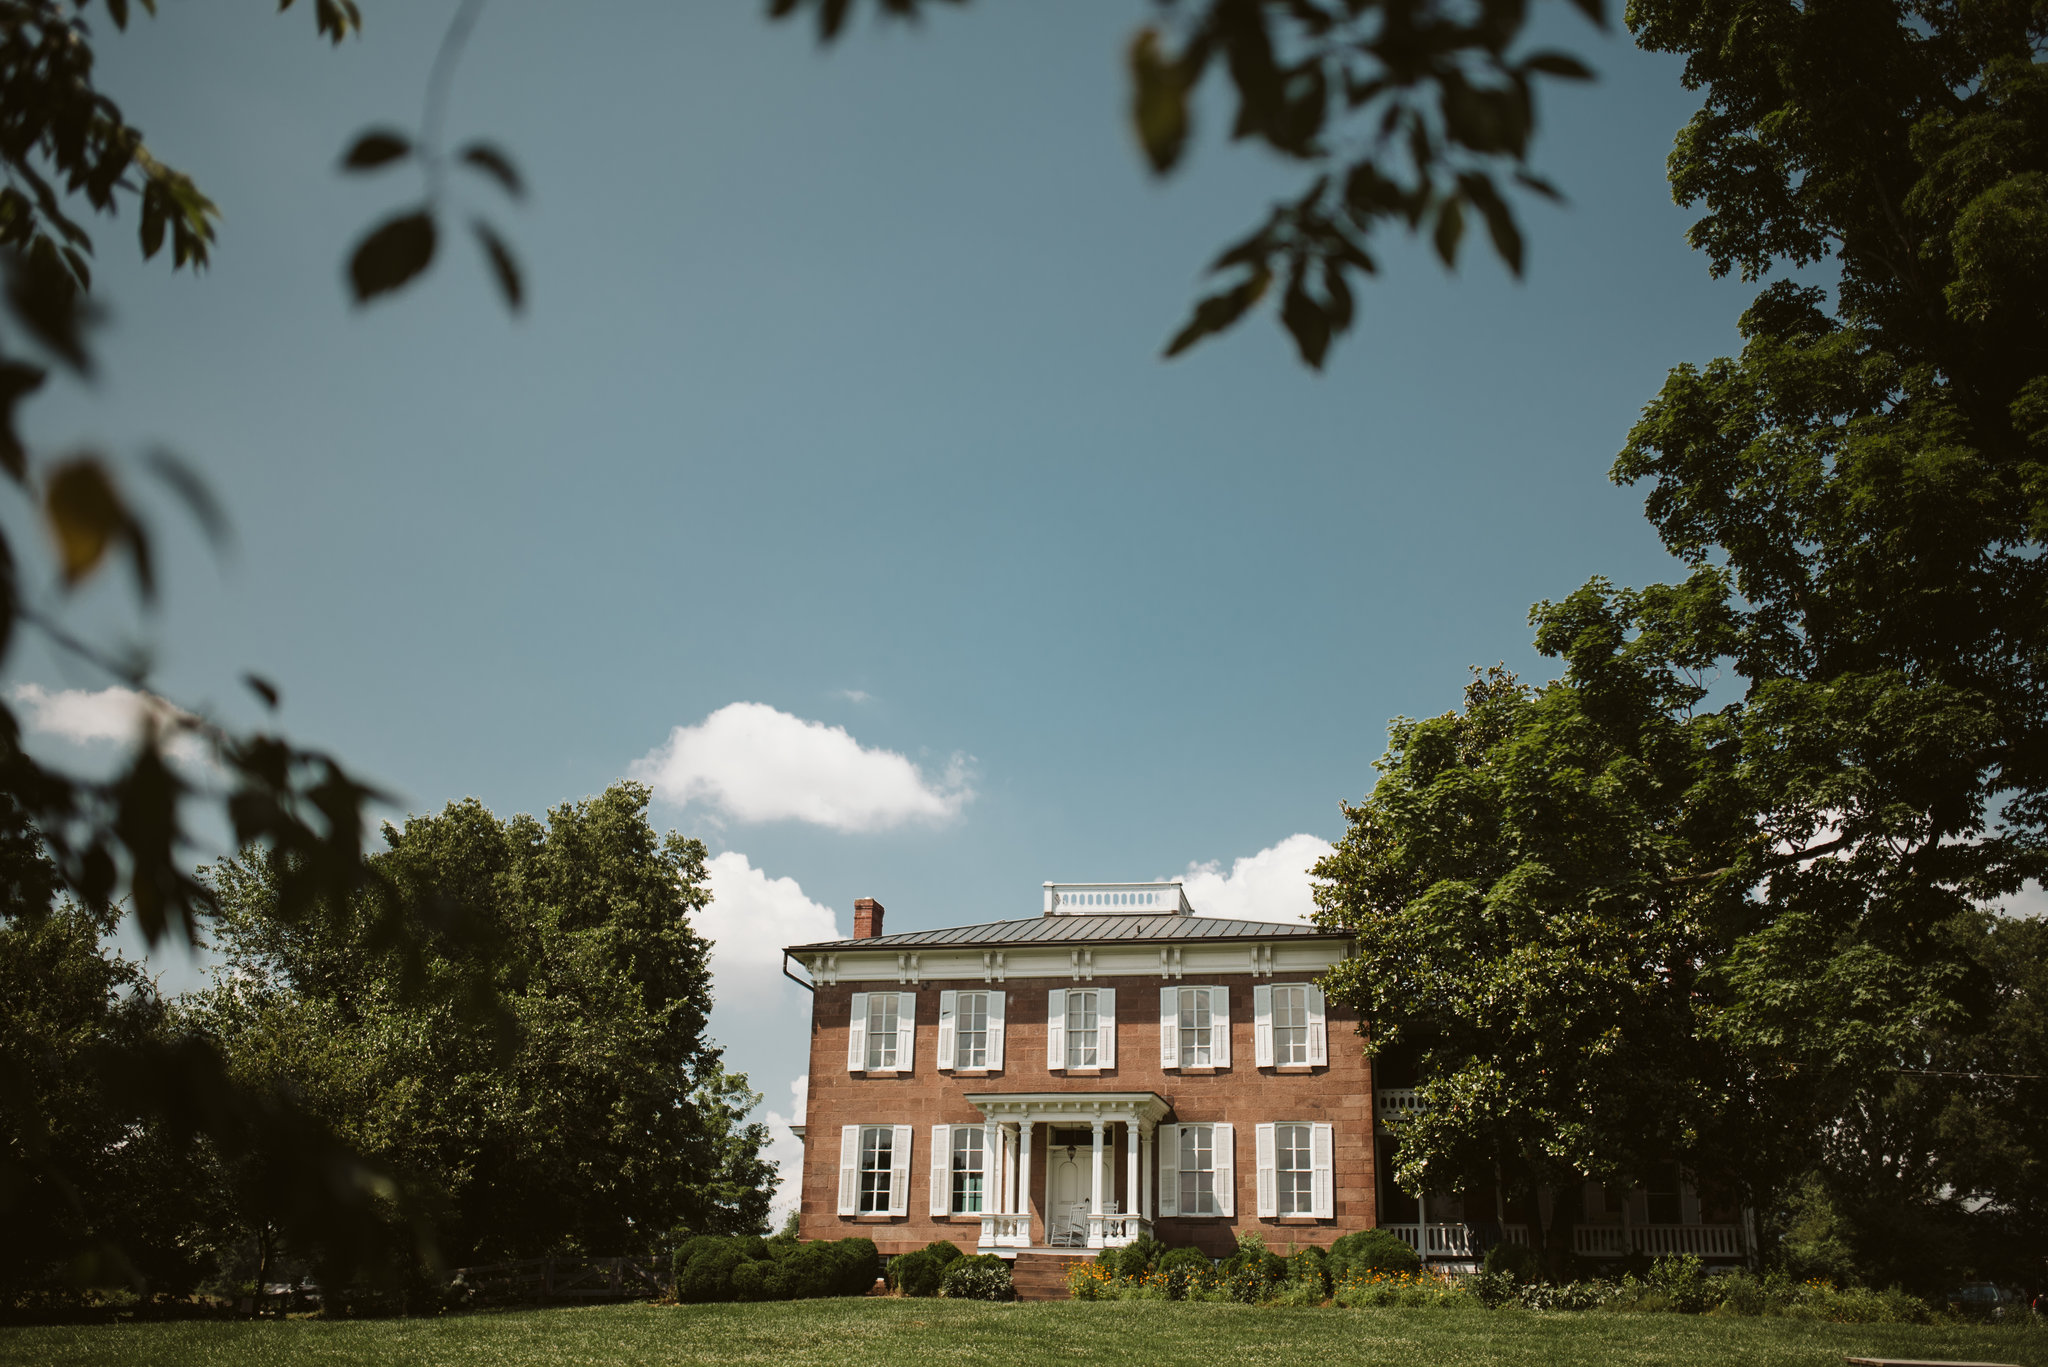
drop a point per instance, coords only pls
(1145, 1170)
(1422, 1224)
(1095, 1186)
(1131, 1167)
(1024, 1175)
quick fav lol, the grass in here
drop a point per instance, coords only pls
(906, 1333)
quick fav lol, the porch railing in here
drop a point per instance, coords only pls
(1392, 1103)
(1114, 1231)
(1612, 1241)
(1457, 1240)
(1005, 1231)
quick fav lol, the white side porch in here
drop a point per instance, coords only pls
(1012, 1121)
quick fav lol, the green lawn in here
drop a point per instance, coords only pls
(901, 1333)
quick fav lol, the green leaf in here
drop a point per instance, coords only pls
(397, 251)
(1559, 64)
(375, 148)
(1220, 310)
(1500, 220)
(494, 163)
(87, 517)
(1450, 227)
(1307, 323)
(504, 266)
(1159, 102)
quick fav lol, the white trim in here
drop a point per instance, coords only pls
(1105, 1027)
(1262, 1027)
(995, 1031)
(1318, 1029)
(906, 1030)
(857, 1035)
(1219, 1022)
(949, 1003)
(1264, 1154)
(899, 1176)
(1056, 1029)
(1169, 1028)
(1322, 1183)
(942, 1170)
(1223, 1138)
(849, 1169)
(1195, 960)
(1169, 1169)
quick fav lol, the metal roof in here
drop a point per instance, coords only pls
(1092, 930)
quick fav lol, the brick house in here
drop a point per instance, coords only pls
(1118, 1066)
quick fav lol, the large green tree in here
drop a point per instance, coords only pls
(586, 1111)
(1863, 495)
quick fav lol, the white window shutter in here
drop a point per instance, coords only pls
(1269, 1177)
(949, 1003)
(857, 1035)
(1219, 1017)
(899, 1178)
(1322, 1201)
(942, 1170)
(906, 1029)
(1169, 1027)
(849, 1169)
(1169, 1169)
(1226, 1168)
(995, 1030)
(1262, 1029)
(1318, 1035)
(1105, 1023)
(1056, 1029)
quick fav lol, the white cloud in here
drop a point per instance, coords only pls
(2029, 901)
(93, 716)
(786, 1151)
(750, 919)
(753, 763)
(1272, 885)
(855, 695)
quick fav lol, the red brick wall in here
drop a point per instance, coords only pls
(1242, 1094)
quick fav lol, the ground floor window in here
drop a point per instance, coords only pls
(970, 1169)
(1198, 1170)
(877, 1166)
(1294, 1168)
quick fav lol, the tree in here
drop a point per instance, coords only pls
(1861, 496)
(584, 1112)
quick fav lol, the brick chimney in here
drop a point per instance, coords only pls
(867, 918)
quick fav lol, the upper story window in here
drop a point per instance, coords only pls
(1194, 1027)
(971, 1031)
(1288, 1026)
(1083, 1031)
(881, 1030)
(1080, 1028)
(970, 1038)
(1197, 1029)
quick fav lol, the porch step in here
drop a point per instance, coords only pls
(1042, 1276)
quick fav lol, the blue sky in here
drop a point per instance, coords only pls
(839, 398)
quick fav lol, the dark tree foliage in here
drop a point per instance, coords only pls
(1416, 113)
(584, 1111)
(1863, 495)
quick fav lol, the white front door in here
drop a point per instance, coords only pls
(1067, 1187)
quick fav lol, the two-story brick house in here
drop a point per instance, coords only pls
(1114, 1066)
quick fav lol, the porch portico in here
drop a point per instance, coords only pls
(1012, 1120)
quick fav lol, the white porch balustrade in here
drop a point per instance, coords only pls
(1612, 1241)
(1005, 1231)
(1454, 1240)
(1114, 1231)
(1392, 1103)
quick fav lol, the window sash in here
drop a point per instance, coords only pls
(1083, 1040)
(970, 1030)
(1294, 1168)
(877, 1165)
(882, 1030)
(1197, 1029)
(1290, 1025)
(1197, 1170)
(969, 1170)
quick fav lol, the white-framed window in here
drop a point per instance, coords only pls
(970, 1037)
(1194, 1027)
(1296, 1162)
(970, 1169)
(1197, 1172)
(1197, 1029)
(1288, 1026)
(882, 1033)
(1292, 1167)
(1083, 1030)
(971, 1031)
(874, 1169)
(882, 1015)
(1080, 1028)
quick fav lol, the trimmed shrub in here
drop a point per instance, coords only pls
(1184, 1270)
(978, 1277)
(1372, 1250)
(917, 1274)
(752, 1269)
(1519, 1261)
(945, 1250)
